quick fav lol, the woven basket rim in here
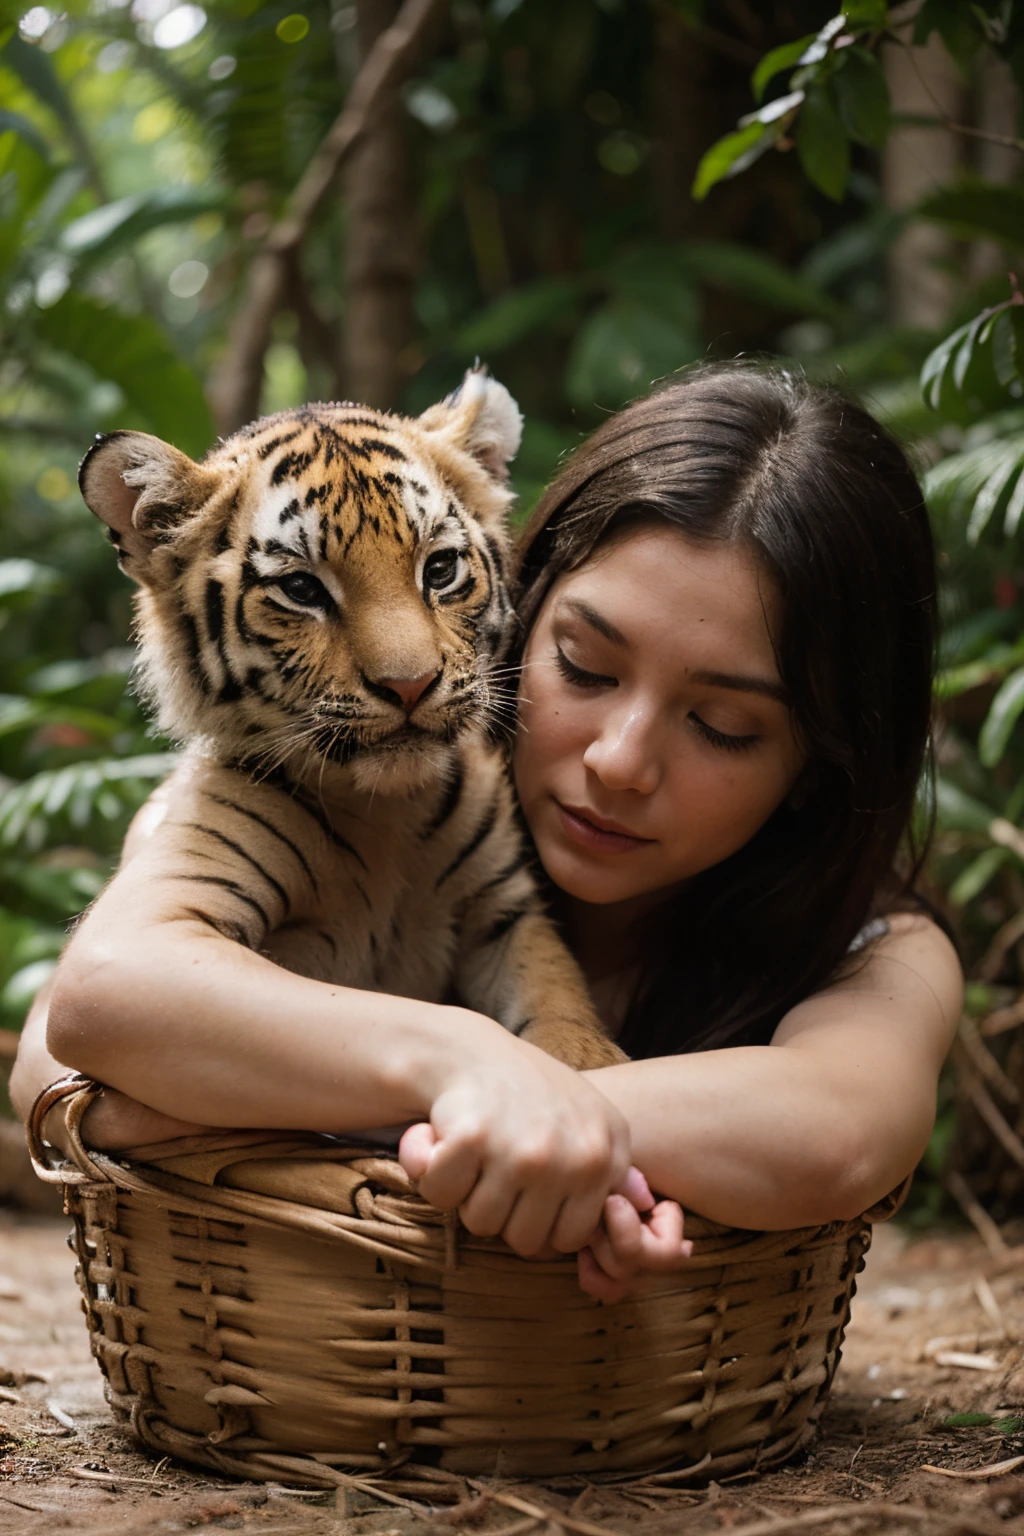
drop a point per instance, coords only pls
(137, 1175)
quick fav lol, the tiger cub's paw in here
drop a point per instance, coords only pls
(580, 1046)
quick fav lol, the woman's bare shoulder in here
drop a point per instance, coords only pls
(908, 979)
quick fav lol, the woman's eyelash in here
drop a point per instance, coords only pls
(578, 675)
(581, 678)
(720, 739)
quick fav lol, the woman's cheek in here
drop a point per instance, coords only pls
(721, 805)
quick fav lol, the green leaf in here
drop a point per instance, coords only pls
(621, 349)
(18, 714)
(955, 25)
(740, 268)
(36, 70)
(937, 362)
(19, 992)
(21, 579)
(134, 353)
(822, 143)
(979, 873)
(978, 210)
(659, 277)
(1003, 715)
(822, 45)
(862, 97)
(1014, 510)
(80, 795)
(866, 13)
(958, 811)
(14, 122)
(1005, 466)
(773, 63)
(518, 314)
(692, 11)
(730, 155)
(995, 664)
(1016, 314)
(967, 1421)
(114, 225)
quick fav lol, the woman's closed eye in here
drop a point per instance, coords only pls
(579, 676)
(720, 739)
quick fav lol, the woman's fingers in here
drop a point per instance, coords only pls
(452, 1172)
(577, 1221)
(637, 1190)
(490, 1203)
(416, 1148)
(595, 1282)
(529, 1227)
(617, 1245)
(664, 1247)
(625, 1253)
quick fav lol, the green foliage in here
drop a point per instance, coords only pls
(1009, 1426)
(973, 209)
(965, 410)
(837, 94)
(822, 142)
(554, 241)
(132, 351)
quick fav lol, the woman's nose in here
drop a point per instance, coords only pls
(624, 755)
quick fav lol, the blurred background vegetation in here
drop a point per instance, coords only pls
(586, 195)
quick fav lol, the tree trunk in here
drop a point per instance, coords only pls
(924, 82)
(683, 106)
(381, 256)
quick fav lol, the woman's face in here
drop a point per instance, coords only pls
(654, 734)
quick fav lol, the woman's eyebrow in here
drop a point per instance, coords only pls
(596, 621)
(742, 684)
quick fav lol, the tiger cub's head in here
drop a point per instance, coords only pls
(327, 587)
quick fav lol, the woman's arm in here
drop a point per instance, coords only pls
(203, 1030)
(113, 1122)
(822, 1123)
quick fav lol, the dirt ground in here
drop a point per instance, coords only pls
(938, 1329)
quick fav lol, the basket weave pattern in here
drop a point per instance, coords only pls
(295, 1309)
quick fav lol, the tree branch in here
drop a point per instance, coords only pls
(235, 386)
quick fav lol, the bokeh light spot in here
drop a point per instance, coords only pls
(53, 484)
(153, 122)
(179, 26)
(188, 279)
(622, 153)
(292, 29)
(36, 22)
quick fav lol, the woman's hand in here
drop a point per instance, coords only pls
(524, 1148)
(626, 1250)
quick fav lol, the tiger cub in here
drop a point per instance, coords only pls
(322, 606)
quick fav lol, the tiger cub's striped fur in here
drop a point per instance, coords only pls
(322, 606)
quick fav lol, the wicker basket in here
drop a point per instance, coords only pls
(282, 1308)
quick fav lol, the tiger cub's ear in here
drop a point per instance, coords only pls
(482, 419)
(141, 488)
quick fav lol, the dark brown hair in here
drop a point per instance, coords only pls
(827, 500)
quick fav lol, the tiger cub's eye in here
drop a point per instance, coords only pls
(303, 588)
(441, 569)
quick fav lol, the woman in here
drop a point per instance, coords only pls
(728, 600)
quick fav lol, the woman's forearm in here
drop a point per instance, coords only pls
(205, 1031)
(753, 1137)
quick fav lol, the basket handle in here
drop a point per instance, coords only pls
(78, 1092)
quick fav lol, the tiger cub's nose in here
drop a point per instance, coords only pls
(410, 689)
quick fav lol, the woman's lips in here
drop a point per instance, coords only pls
(593, 831)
